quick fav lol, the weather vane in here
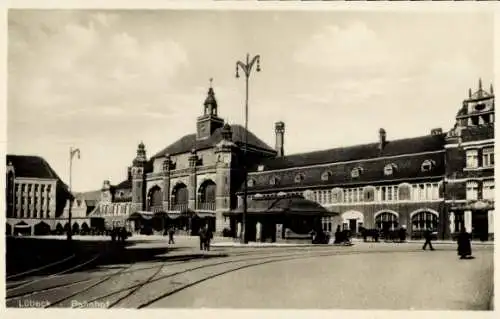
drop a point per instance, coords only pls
(211, 81)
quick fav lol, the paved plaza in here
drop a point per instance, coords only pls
(362, 276)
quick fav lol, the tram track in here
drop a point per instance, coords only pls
(132, 290)
(129, 291)
(72, 268)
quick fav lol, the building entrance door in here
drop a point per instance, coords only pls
(353, 226)
(480, 225)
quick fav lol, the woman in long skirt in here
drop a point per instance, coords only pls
(464, 248)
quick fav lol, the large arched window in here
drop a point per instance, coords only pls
(206, 195)
(404, 191)
(386, 221)
(180, 197)
(155, 198)
(424, 220)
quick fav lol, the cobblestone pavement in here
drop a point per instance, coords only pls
(363, 276)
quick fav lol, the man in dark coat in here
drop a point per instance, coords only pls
(428, 238)
(208, 237)
(171, 232)
(203, 234)
(338, 235)
(464, 248)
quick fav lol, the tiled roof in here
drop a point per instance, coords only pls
(126, 184)
(289, 204)
(420, 144)
(94, 195)
(31, 167)
(188, 142)
(372, 171)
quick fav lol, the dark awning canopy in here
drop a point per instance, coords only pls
(290, 205)
(172, 214)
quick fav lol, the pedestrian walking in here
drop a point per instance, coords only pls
(464, 248)
(171, 232)
(208, 237)
(202, 234)
(428, 238)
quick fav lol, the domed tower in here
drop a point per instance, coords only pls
(224, 152)
(138, 179)
(209, 121)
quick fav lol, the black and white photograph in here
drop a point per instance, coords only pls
(222, 158)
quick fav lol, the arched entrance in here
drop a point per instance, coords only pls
(41, 229)
(352, 220)
(155, 199)
(59, 229)
(75, 229)
(180, 197)
(423, 220)
(206, 195)
(386, 221)
(85, 229)
(22, 228)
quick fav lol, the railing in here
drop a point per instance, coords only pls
(179, 207)
(156, 208)
(206, 206)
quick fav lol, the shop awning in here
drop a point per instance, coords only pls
(289, 205)
(204, 213)
(142, 214)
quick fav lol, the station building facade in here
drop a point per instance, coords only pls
(440, 181)
(187, 184)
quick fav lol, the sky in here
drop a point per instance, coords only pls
(103, 81)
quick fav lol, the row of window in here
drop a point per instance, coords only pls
(35, 189)
(488, 190)
(114, 210)
(389, 170)
(472, 158)
(389, 221)
(415, 192)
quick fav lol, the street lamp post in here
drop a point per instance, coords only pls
(72, 153)
(247, 69)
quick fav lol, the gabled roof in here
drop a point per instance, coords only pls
(188, 142)
(428, 143)
(31, 167)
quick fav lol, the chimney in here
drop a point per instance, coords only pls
(129, 173)
(382, 139)
(279, 128)
(437, 131)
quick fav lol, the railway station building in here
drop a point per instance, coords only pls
(440, 181)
